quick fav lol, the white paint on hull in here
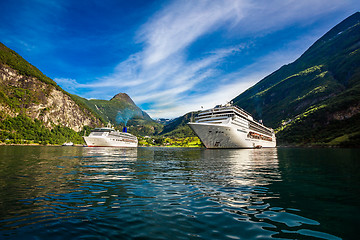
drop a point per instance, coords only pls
(101, 141)
(227, 136)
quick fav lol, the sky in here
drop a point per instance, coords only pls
(170, 56)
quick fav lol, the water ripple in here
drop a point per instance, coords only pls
(103, 193)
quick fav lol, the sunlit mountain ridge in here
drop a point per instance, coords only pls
(315, 99)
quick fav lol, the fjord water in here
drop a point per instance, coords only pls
(178, 193)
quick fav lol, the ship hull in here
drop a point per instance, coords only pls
(108, 142)
(227, 136)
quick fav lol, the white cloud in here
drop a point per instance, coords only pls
(181, 23)
(162, 74)
(68, 83)
(236, 83)
(263, 16)
(221, 95)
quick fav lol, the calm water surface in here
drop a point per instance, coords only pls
(176, 193)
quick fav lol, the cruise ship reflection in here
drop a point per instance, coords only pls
(246, 167)
(240, 178)
(110, 151)
(104, 163)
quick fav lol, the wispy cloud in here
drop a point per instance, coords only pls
(183, 22)
(162, 74)
(71, 84)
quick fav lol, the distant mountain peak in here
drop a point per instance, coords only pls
(123, 97)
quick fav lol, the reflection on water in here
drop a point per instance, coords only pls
(242, 166)
(108, 163)
(240, 181)
(173, 193)
(243, 176)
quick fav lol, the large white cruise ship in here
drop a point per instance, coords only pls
(109, 137)
(228, 126)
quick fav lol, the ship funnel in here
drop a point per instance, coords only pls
(125, 129)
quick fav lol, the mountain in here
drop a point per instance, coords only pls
(25, 90)
(178, 127)
(121, 110)
(34, 107)
(316, 99)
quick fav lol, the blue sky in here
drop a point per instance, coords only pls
(170, 57)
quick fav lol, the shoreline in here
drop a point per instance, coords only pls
(38, 144)
(164, 146)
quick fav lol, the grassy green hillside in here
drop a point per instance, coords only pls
(23, 130)
(316, 99)
(178, 127)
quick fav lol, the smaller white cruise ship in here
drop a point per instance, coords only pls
(228, 126)
(109, 137)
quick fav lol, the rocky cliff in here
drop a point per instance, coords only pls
(24, 90)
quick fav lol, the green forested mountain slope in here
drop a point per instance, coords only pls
(121, 110)
(16, 62)
(178, 127)
(34, 109)
(316, 99)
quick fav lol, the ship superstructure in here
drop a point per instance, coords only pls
(109, 137)
(228, 126)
